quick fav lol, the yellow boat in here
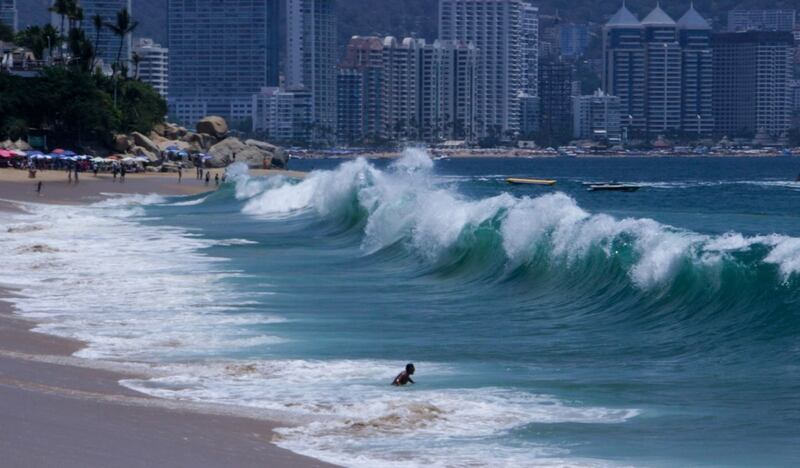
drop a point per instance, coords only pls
(519, 181)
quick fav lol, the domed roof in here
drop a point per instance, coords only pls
(624, 18)
(693, 20)
(658, 17)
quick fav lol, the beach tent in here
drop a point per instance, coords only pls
(141, 159)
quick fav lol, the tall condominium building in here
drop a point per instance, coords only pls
(360, 111)
(530, 50)
(153, 66)
(794, 90)
(108, 45)
(311, 58)
(697, 73)
(660, 70)
(597, 117)
(350, 106)
(284, 115)
(401, 83)
(555, 100)
(8, 13)
(573, 39)
(752, 73)
(411, 89)
(495, 29)
(761, 20)
(221, 53)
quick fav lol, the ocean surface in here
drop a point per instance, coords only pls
(548, 326)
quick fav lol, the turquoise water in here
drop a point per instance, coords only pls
(549, 326)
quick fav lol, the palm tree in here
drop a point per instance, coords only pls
(124, 26)
(97, 22)
(51, 37)
(136, 59)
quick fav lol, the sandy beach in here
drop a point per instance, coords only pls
(58, 410)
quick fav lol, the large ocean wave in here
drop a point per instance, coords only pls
(408, 205)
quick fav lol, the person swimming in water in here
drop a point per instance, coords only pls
(405, 376)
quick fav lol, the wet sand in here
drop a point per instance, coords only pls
(58, 410)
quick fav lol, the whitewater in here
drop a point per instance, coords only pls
(549, 328)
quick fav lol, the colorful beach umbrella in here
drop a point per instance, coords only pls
(6, 154)
(57, 151)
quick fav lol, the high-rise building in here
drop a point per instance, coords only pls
(597, 117)
(349, 106)
(108, 45)
(221, 53)
(410, 88)
(8, 13)
(573, 39)
(360, 112)
(555, 99)
(153, 66)
(495, 29)
(794, 89)
(284, 115)
(624, 59)
(311, 58)
(661, 71)
(697, 73)
(761, 20)
(752, 73)
(530, 50)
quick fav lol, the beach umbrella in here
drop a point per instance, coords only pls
(183, 154)
(68, 153)
(58, 151)
(98, 160)
(173, 148)
(17, 152)
(141, 159)
(114, 157)
(6, 154)
(33, 153)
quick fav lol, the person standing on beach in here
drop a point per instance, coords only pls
(69, 172)
(405, 376)
(122, 175)
(208, 178)
(180, 173)
(77, 168)
(39, 188)
(216, 179)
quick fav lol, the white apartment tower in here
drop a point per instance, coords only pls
(153, 67)
(311, 59)
(530, 50)
(495, 28)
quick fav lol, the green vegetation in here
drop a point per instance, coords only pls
(70, 99)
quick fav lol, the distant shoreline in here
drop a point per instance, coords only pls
(504, 153)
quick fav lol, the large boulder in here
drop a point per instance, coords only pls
(279, 159)
(181, 145)
(158, 129)
(144, 142)
(173, 132)
(121, 143)
(225, 152)
(202, 141)
(213, 125)
(150, 155)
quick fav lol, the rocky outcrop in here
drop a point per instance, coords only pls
(202, 141)
(144, 142)
(121, 143)
(254, 153)
(153, 157)
(214, 126)
(278, 160)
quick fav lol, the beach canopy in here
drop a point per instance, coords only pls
(6, 154)
(33, 153)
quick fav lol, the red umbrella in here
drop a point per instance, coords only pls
(6, 154)
(58, 151)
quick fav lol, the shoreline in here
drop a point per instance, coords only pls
(73, 412)
(521, 153)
